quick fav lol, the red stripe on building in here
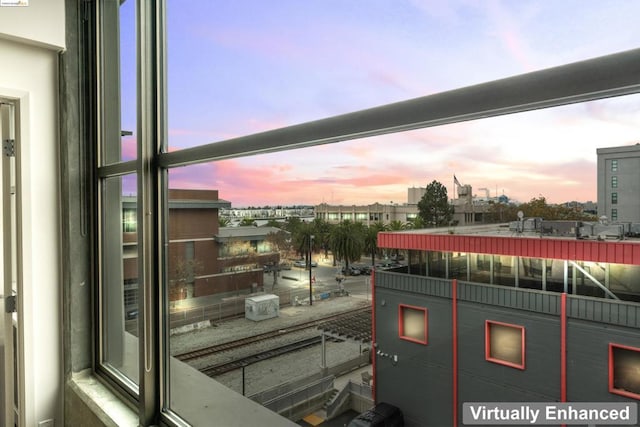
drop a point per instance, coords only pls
(454, 322)
(532, 247)
(374, 355)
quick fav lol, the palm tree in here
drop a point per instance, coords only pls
(322, 232)
(347, 242)
(248, 222)
(371, 239)
(305, 241)
(416, 223)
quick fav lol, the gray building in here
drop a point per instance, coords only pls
(619, 183)
(468, 209)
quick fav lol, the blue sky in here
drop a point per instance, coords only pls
(240, 67)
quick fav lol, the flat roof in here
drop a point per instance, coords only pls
(249, 232)
(498, 239)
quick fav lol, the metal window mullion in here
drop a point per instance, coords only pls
(149, 95)
(612, 75)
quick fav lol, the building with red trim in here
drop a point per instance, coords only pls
(499, 314)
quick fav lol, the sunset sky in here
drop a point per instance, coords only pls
(241, 67)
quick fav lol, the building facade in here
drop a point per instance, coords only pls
(496, 316)
(468, 209)
(619, 183)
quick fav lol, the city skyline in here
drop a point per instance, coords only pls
(237, 69)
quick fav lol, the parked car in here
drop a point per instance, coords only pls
(365, 269)
(303, 263)
(381, 415)
(351, 271)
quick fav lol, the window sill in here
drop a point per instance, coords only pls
(97, 402)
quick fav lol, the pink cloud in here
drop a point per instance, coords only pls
(509, 35)
(129, 148)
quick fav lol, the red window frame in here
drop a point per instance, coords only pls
(487, 344)
(612, 388)
(401, 334)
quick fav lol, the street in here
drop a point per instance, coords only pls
(325, 279)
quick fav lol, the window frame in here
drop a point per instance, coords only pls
(614, 198)
(401, 335)
(614, 181)
(487, 344)
(611, 379)
(614, 165)
(598, 78)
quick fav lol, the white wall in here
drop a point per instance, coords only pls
(41, 22)
(30, 40)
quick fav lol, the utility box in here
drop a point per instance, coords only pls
(262, 307)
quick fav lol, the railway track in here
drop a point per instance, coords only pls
(222, 368)
(232, 345)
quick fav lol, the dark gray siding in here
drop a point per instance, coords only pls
(421, 383)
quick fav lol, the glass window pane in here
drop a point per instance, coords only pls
(530, 273)
(220, 251)
(413, 324)
(624, 371)
(236, 270)
(119, 81)
(119, 287)
(624, 281)
(128, 76)
(505, 344)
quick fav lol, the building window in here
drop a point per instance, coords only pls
(121, 173)
(614, 182)
(614, 214)
(614, 198)
(129, 220)
(624, 370)
(505, 344)
(412, 323)
(614, 166)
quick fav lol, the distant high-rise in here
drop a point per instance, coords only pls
(619, 183)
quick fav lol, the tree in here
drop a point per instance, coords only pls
(537, 207)
(304, 242)
(371, 240)
(434, 207)
(501, 212)
(223, 222)
(281, 242)
(416, 223)
(347, 242)
(322, 232)
(247, 222)
(183, 278)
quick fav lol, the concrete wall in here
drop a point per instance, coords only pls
(421, 382)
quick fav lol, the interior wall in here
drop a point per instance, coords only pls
(41, 22)
(30, 75)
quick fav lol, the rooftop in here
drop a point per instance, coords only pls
(533, 237)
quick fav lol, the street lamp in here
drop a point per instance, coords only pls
(310, 276)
